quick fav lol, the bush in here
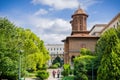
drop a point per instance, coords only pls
(65, 73)
(53, 66)
(81, 77)
(44, 67)
(42, 74)
(67, 69)
(9, 77)
(58, 64)
(57, 60)
(68, 78)
(71, 71)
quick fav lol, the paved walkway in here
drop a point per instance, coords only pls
(30, 79)
(51, 76)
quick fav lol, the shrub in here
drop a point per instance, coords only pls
(68, 78)
(66, 71)
(57, 60)
(53, 66)
(71, 71)
(85, 51)
(9, 77)
(44, 67)
(42, 74)
(58, 64)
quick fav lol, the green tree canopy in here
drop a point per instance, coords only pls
(108, 51)
(85, 65)
(13, 40)
(57, 60)
(84, 51)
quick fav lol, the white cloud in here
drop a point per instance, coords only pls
(87, 3)
(58, 4)
(56, 24)
(49, 30)
(53, 38)
(66, 4)
(41, 12)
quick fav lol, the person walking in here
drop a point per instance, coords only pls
(58, 73)
(54, 72)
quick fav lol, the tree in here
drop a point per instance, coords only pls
(8, 56)
(66, 70)
(84, 51)
(108, 51)
(57, 60)
(14, 39)
(80, 70)
(85, 65)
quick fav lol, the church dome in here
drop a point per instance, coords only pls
(79, 11)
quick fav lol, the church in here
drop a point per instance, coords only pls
(82, 38)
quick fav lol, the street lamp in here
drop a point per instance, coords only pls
(92, 71)
(19, 66)
(0, 75)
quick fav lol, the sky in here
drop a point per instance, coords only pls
(49, 19)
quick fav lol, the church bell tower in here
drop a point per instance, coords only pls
(78, 22)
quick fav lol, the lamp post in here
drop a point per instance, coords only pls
(0, 75)
(92, 71)
(19, 66)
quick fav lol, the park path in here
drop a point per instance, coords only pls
(51, 76)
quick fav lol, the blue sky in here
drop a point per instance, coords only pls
(49, 19)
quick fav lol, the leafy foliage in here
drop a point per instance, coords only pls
(13, 40)
(84, 51)
(54, 66)
(84, 65)
(57, 60)
(66, 70)
(42, 74)
(68, 78)
(108, 50)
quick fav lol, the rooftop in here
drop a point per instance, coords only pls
(79, 11)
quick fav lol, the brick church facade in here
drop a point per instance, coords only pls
(79, 37)
(82, 38)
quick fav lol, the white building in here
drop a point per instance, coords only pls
(96, 29)
(113, 23)
(54, 51)
(99, 29)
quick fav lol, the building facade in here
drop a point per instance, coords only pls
(113, 23)
(82, 38)
(79, 38)
(99, 29)
(54, 51)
